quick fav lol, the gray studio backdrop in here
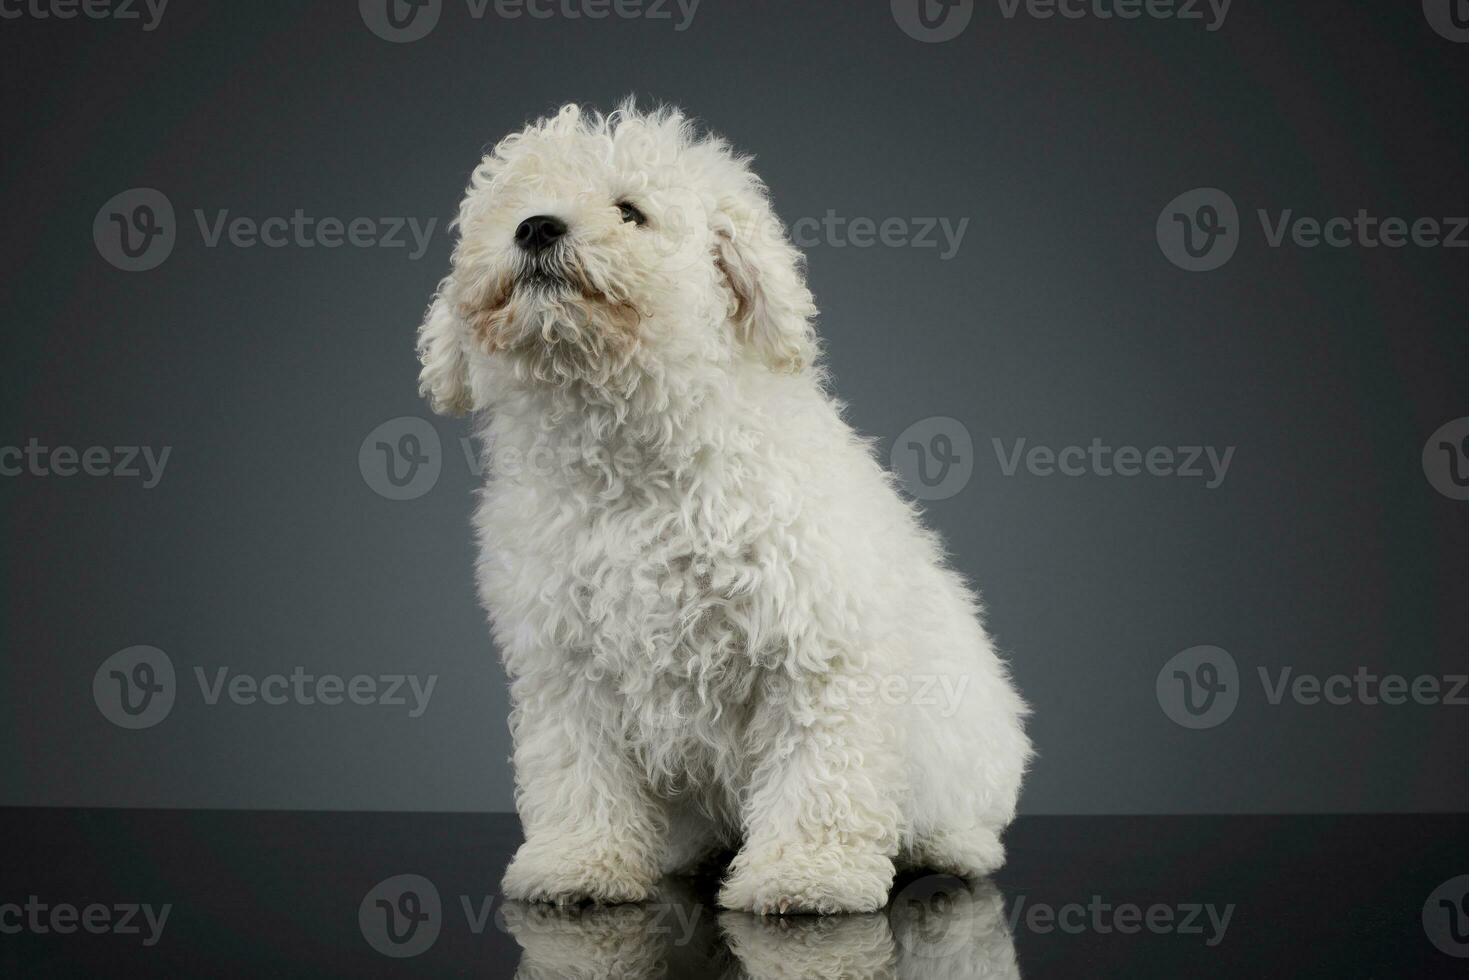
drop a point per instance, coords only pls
(1201, 445)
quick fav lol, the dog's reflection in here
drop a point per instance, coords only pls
(936, 927)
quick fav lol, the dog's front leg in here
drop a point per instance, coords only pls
(821, 815)
(593, 829)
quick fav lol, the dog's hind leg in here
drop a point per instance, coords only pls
(966, 754)
(971, 853)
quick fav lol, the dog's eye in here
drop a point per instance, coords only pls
(631, 213)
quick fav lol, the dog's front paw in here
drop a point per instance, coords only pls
(795, 878)
(573, 870)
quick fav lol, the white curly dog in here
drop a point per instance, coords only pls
(725, 628)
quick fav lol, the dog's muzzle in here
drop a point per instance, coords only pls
(542, 276)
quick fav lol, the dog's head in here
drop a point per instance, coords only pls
(613, 252)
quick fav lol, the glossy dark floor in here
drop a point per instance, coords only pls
(175, 893)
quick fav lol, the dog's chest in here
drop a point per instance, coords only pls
(661, 594)
(665, 612)
(655, 584)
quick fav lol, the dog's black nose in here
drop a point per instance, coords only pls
(539, 233)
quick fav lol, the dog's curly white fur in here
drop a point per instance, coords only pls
(716, 610)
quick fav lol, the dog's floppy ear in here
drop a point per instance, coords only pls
(773, 308)
(442, 351)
